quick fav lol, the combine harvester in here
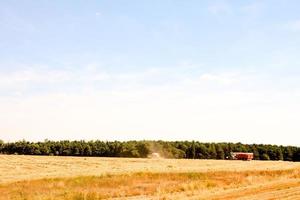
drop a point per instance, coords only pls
(242, 156)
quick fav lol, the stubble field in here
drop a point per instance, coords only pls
(38, 177)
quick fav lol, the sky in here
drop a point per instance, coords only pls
(212, 71)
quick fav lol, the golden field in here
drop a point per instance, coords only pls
(46, 177)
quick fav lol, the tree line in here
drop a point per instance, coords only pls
(142, 149)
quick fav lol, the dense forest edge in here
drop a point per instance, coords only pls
(142, 149)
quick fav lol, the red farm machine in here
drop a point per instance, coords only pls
(242, 156)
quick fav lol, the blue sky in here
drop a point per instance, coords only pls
(203, 70)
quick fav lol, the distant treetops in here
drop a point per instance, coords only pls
(142, 149)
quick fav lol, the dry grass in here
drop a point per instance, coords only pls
(14, 168)
(25, 177)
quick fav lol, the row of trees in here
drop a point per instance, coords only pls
(141, 149)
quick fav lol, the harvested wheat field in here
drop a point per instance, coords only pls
(37, 177)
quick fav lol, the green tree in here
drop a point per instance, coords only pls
(279, 154)
(296, 155)
(288, 154)
(87, 150)
(255, 153)
(1, 145)
(212, 151)
(202, 152)
(143, 149)
(220, 152)
(265, 157)
(193, 150)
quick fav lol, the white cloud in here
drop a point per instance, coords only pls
(293, 25)
(254, 8)
(60, 76)
(153, 113)
(226, 79)
(181, 109)
(100, 77)
(220, 8)
(35, 76)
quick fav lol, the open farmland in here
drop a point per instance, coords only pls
(38, 177)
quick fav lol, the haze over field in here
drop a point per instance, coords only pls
(173, 70)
